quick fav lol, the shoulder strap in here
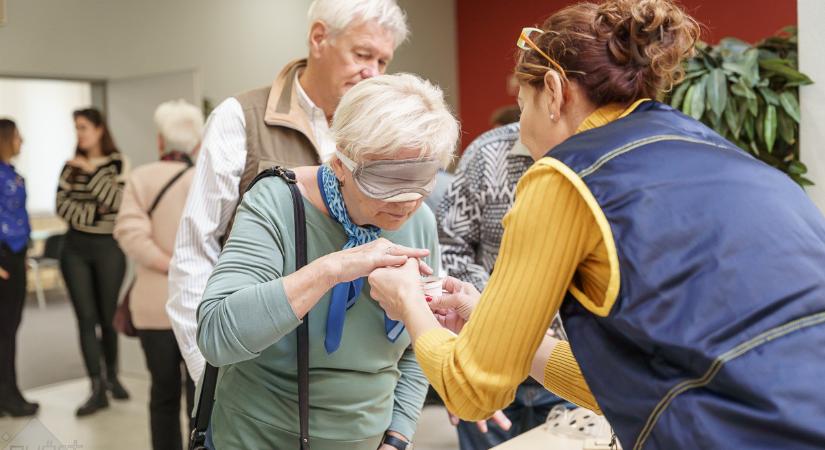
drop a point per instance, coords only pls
(210, 377)
(165, 188)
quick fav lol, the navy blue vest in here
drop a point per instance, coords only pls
(716, 339)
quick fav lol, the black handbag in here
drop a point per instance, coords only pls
(206, 400)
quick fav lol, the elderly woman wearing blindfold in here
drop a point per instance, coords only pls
(363, 211)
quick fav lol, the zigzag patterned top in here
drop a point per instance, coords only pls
(471, 212)
(89, 202)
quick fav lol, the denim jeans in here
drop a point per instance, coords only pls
(529, 409)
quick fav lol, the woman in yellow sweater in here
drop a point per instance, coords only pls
(657, 240)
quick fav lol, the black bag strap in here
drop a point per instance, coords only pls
(165, 188)
(210, 377)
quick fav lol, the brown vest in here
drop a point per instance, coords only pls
(286, 140)
(277, 129)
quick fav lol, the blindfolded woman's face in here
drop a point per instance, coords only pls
(365, 210)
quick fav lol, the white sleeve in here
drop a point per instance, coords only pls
(212, 200)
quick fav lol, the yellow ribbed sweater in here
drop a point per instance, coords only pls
(552, 243)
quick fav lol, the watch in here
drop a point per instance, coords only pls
(397, 443)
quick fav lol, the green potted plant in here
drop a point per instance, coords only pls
(750, 95)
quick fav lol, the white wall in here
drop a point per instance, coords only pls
(131, 106)
(812, 98)
(236, 45)
(42, 110)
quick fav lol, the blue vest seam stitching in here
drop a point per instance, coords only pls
(636, 144)
(739, 350)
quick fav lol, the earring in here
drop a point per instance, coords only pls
(552, 116)
(341, 182)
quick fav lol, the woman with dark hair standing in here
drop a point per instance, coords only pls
(688, 274)
(14, 237)
(88, 197)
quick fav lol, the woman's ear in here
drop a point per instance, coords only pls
(337, 168)
(555, 94)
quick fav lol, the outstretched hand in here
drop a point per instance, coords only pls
(454, 307)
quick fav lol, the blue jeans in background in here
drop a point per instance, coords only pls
(529, 409)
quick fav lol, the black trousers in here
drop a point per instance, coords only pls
(12, 299)
(169, 375)
(93, 267)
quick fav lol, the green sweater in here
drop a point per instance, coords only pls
(247, 327)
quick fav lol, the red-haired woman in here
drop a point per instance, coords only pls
(689, 275)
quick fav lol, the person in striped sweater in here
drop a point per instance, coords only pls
(88, 197)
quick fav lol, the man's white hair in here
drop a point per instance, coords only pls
(340, 14)
(385, 114)
(180, 124)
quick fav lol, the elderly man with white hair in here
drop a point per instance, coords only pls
(362, 212)
(284, 124)
(145, 229)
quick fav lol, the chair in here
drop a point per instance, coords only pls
(50, 258)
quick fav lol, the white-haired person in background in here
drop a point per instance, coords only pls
(284, 124)
(145, 229)
(363, 211)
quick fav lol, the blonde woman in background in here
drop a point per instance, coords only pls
(145, 228)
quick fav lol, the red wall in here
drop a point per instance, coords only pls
(488, 29)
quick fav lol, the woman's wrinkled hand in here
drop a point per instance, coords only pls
(397, 288)
(354, 263)
(459, 298)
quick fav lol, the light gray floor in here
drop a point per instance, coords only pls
(125, 424)
(50, 371)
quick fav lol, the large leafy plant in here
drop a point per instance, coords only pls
(750, 95)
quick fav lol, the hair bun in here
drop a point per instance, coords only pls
(618, 51)
(653, 35)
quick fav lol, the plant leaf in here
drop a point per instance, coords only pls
(716, 91)
(798, 83)
(782, 68)
(790, 104)
(693, 65)
(760, 130)
(797, 168)
(753, 106)
(770, 127)
(734, 45)
(749, 131)
(688, 99)
(751, 63)
(786, 128)
(716, 123)
(732, 119)
(679, 94)
(692, 75)
(697, 101)
(770, 96)
(743, 90)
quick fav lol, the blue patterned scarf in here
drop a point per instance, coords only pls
(344, 295)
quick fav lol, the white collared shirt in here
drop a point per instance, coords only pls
(318, 122)
(209, 207)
